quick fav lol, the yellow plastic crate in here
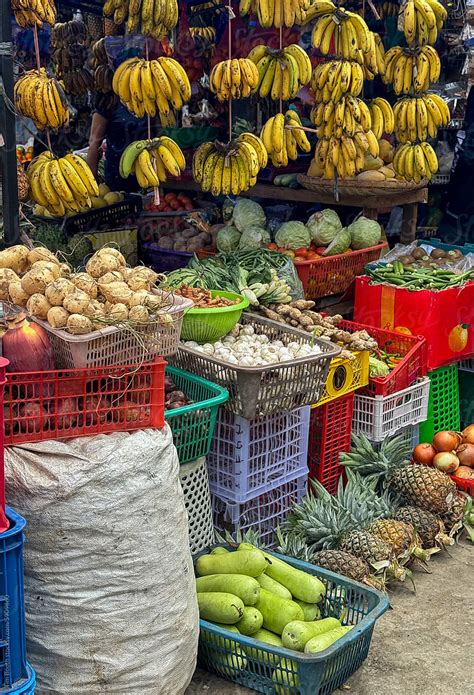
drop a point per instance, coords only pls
(345, 376)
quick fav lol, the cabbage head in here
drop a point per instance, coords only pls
(254, 238)
(248, 213)
(293, 235)
(323, 226)
(340, 243)
(364, 233)
(227, 239)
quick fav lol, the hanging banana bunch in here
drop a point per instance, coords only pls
(347, 116)
(281, 73)
(415, 162)
(408, 69)
(422, 21)
(420, 117)
(381, 116)
(332, 79)
(151, 161)
(282, 135)
(236, 78)
(31, 13)
(374, 57)
(153, 18)
(42, 99)
(274, 13)
(344, 156)
(343, 33)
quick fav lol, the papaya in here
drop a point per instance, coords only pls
(245, 587)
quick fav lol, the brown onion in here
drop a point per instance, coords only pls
(424, 453)
(446, 440)
(464, 472)
(468, 434)
(446, 461)
(465, 454)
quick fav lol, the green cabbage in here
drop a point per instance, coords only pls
(323, 226)
(248, 213)
(364, 233)
(227, 239)
(377, 367)
(293, 235)
(340, 243)
(254, 238)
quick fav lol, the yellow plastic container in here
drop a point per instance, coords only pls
(345, 376)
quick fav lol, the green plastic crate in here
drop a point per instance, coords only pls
(443, 404)
(466, 397)
(193, 424)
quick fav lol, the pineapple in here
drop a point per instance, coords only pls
(429, 527)
(402, 538)
(454, 518)
(348, 565)
(424, 486)
(368, 547)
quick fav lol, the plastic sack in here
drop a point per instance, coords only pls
(289, 274)
(110, 599)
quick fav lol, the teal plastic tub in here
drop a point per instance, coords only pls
(278, 671)
(193, 425)
(208, 325)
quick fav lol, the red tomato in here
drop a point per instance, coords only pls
(174, 204)
(272, 246)
(301, 252)
(170, 196)
(189, 206)
(312, 256)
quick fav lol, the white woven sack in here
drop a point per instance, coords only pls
(109, 585)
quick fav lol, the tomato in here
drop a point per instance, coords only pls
(174, 204)
(290, 253)
(301, 252)
(189, 206)
(312, 256)
(170, 196)
(320, 250)
(282, 249)
(272, 246)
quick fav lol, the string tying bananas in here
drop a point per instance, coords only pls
(420, 117)
(152, 87)
(229, 169)
(273, 13)
(234, 78)
(281, 74)
(344, 156)
(422, 21)
(153, 18)
(151, 161)
(42, 99)
(415, 162)
(30, 13)
(349, 115)
(382, 117)
(334, 78)
(407, 69)
(282, 142)
(345, 34)
(61, 185)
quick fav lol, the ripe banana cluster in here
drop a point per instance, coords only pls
(374, 57)
(42, 99)
(420, 117)
(207, 33)
(153, 18)
(281, 74)
(103, 76)
(30, 13)
(422, 21)
(343, 156)
(382, 117)
(274, 13)
(61, 185)
(407, 69)
(349, 115)
(334, 78)
(229, 169)
(342, 33)
(415, 162)
(151, 161)
(152, 86)
(282, 137)
(234, 79)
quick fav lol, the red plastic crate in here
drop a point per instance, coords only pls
(464, 485)
(334, 275)
(329, 434)
(413, 366)
(68, 403)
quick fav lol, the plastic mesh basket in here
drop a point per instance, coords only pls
(329, 434)
(264, 668)
(194, 481)
(263, 513)
(379, 416)
(193, 424)
(112, 346)
(443, 405)
(250, 457)
(208, 325)
(346, 376)
(26, 686)
(259, 391)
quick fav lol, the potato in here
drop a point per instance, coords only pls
(86, 283)
(38, 305)
(116, 292)
(15, 258)
(139, 297)
(111, 251)
(139, 314)
(57, 317)
(48, 265)
(79, 325)
(58, 290)
(114, 276)
(17, 294)
(76, 302)
(7, 276)
(99, 265)
(36, 281)
(119, 312)
(41, 254)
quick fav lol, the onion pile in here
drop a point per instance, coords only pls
(450, 452)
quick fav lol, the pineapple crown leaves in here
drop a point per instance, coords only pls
(250, 536)
(376, 463)
(322, 522)
(292, 544)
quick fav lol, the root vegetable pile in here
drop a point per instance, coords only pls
(174, 397)
(203, 299)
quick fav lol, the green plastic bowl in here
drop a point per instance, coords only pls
(208, 325)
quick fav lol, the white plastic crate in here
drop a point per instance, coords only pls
(195, 484)
(411, 435)
(263, 513)
(380, 416)
(115, 345)
(250, 457)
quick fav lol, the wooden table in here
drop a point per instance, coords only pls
(407, 199)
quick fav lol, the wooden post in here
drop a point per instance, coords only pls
(408, 231)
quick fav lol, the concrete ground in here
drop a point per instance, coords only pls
(421, 647)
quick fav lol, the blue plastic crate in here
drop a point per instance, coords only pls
(260, 666)
(14, 666)
(27, 687)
